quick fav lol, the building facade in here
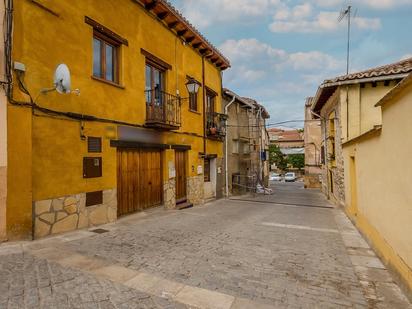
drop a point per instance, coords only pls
(246, 144)
(345, 106)
(378, 180)
(313, 148)
(134, 138)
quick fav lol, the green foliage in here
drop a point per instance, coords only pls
(296, 160)
(276, 157)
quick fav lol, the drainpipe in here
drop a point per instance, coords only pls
(325, 152)
(226, 143)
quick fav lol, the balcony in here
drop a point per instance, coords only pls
(215, 126)
(162, 110)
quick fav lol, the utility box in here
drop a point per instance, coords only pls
(92, 167)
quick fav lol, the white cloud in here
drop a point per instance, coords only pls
(374, 4)
(322, 22)
(255, 60)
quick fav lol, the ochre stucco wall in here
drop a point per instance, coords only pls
(363, 115)
(383, 176)
(46, 153)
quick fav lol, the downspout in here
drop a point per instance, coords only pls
(325, 151)
(226, 143)
(204, 106)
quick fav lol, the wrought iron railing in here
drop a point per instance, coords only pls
(162, 108)
(215, 125)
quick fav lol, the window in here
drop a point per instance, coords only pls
(210, 101)
(154, 84)
(235, 146)
(207, 170)
(105, 58)
(193, 101)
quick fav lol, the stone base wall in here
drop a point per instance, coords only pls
(169, 194)
(312, 181)
(195, 190)
(69, 213)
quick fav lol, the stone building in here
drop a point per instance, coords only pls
(345, 107)
(246, 143)
(147, 130)
(313, 148)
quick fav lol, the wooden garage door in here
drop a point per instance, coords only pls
(139, 181)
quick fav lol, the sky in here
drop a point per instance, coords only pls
(281, 50)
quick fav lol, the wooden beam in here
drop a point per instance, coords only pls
(203, 50)
(151, 5)
(181, 32)
(197, 45)
(190, 39)
(173, 24)
(162, 15)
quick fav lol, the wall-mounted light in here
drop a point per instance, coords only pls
(192, 86)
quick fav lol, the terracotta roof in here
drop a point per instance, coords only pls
(403, 66)
(265, 113)
(397, 70)
(286, 135)
(174, 20)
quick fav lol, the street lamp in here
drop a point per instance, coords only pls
(192, 86)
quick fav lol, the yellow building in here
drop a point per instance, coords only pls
(378, 181)
(346, 106)
(374, 148)
(133, 138)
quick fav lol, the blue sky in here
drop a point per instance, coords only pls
(280, 50)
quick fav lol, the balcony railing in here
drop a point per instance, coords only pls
(162, 110)
(215, 126)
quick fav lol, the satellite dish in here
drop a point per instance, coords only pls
(62, 79)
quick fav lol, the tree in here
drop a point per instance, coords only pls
(277, 157)
(296, 160)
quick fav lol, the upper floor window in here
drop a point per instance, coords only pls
(106, 52)
(210, 101)
(155, 84)
(193, 101)
(105, 58)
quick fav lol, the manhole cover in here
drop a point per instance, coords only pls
(99, 231)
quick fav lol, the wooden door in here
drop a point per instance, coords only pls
(180, 165)
(139, 181)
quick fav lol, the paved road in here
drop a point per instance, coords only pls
(229, 254)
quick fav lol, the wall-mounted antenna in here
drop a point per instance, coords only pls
(348, 14)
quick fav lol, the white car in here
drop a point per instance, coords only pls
(290, 177)
(275, 177)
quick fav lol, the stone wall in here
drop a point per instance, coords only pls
(338, 194)
(54, 216)
(195, 190)
(169, 194)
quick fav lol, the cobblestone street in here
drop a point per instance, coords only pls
(288, 250)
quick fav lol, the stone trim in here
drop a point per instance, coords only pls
(195, 190)
(68, 213)
(169, 194)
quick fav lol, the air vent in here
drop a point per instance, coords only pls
(94, 198)
(94, 144)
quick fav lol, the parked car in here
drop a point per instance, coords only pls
(290, 177)
(275, 177)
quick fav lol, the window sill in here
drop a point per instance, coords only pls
(102, 80)
(195, 112)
